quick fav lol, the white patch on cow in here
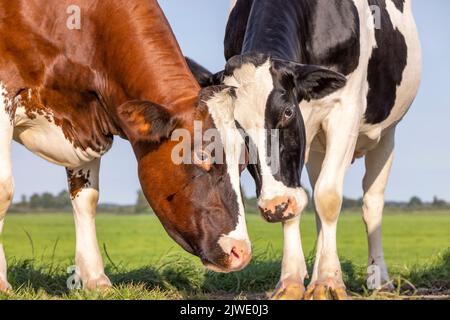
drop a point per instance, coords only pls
(407, 90)
(293, 266)
(221, 108)
(374, 185)
(44, 138)
(6, 130)
(6, 180)
(254, 86)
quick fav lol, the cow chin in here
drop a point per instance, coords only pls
(225, 267)
(286, 206)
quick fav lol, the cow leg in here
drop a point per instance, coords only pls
(293, 271)
(84, 186)
(314, 167)
(6, 186)
(341, 132)
(378, 166)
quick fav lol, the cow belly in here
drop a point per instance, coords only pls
(42, 137)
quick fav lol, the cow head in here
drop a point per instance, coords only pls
(197, 199)
(269, 92)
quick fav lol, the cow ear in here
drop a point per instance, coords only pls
(203, 76)
(313, 83)
(145, 121)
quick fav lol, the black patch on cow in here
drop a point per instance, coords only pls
(291, 134)
(204, 77)
(254, 166)
(236, 27)
(255, 58)
(332, 36)
(386, 68)
(400, 4)
(320, 32)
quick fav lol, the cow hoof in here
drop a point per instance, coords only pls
(288, 290)
(100, 284)
(5, 287)
(326, 291)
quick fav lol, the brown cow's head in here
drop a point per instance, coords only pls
(193, 188)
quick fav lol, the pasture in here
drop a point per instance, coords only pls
(144, 263)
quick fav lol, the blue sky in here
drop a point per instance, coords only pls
(422, 165)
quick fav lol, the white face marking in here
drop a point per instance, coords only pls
(255, 85)
(221, 108)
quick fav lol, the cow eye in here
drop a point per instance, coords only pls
(289, 113)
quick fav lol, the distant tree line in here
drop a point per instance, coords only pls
(61, 202)
(48, 202)
(44, 201)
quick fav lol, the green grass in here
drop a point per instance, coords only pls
(144, 263)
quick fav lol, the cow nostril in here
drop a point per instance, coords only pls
(236, 253)
(280, 209)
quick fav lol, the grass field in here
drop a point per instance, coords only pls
(144, 263)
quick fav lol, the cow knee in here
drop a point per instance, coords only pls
(328, 204)
(6, 189)
(373, 208)
(6, 193)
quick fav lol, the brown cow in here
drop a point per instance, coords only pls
(66, 91)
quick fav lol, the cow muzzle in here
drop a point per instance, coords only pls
(237, 255)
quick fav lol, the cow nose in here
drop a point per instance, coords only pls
(240, 255)
(279, 209)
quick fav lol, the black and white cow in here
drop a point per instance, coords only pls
(354, 68)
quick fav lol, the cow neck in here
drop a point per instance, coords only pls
(147, 63)
(276, 32)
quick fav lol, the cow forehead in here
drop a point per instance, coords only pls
(254, 85)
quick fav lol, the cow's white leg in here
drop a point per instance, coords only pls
(314, 166)
(378, 166)
(341, 128)
(6, 183)
(84, 186)
(4, 285)
(293, 270)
